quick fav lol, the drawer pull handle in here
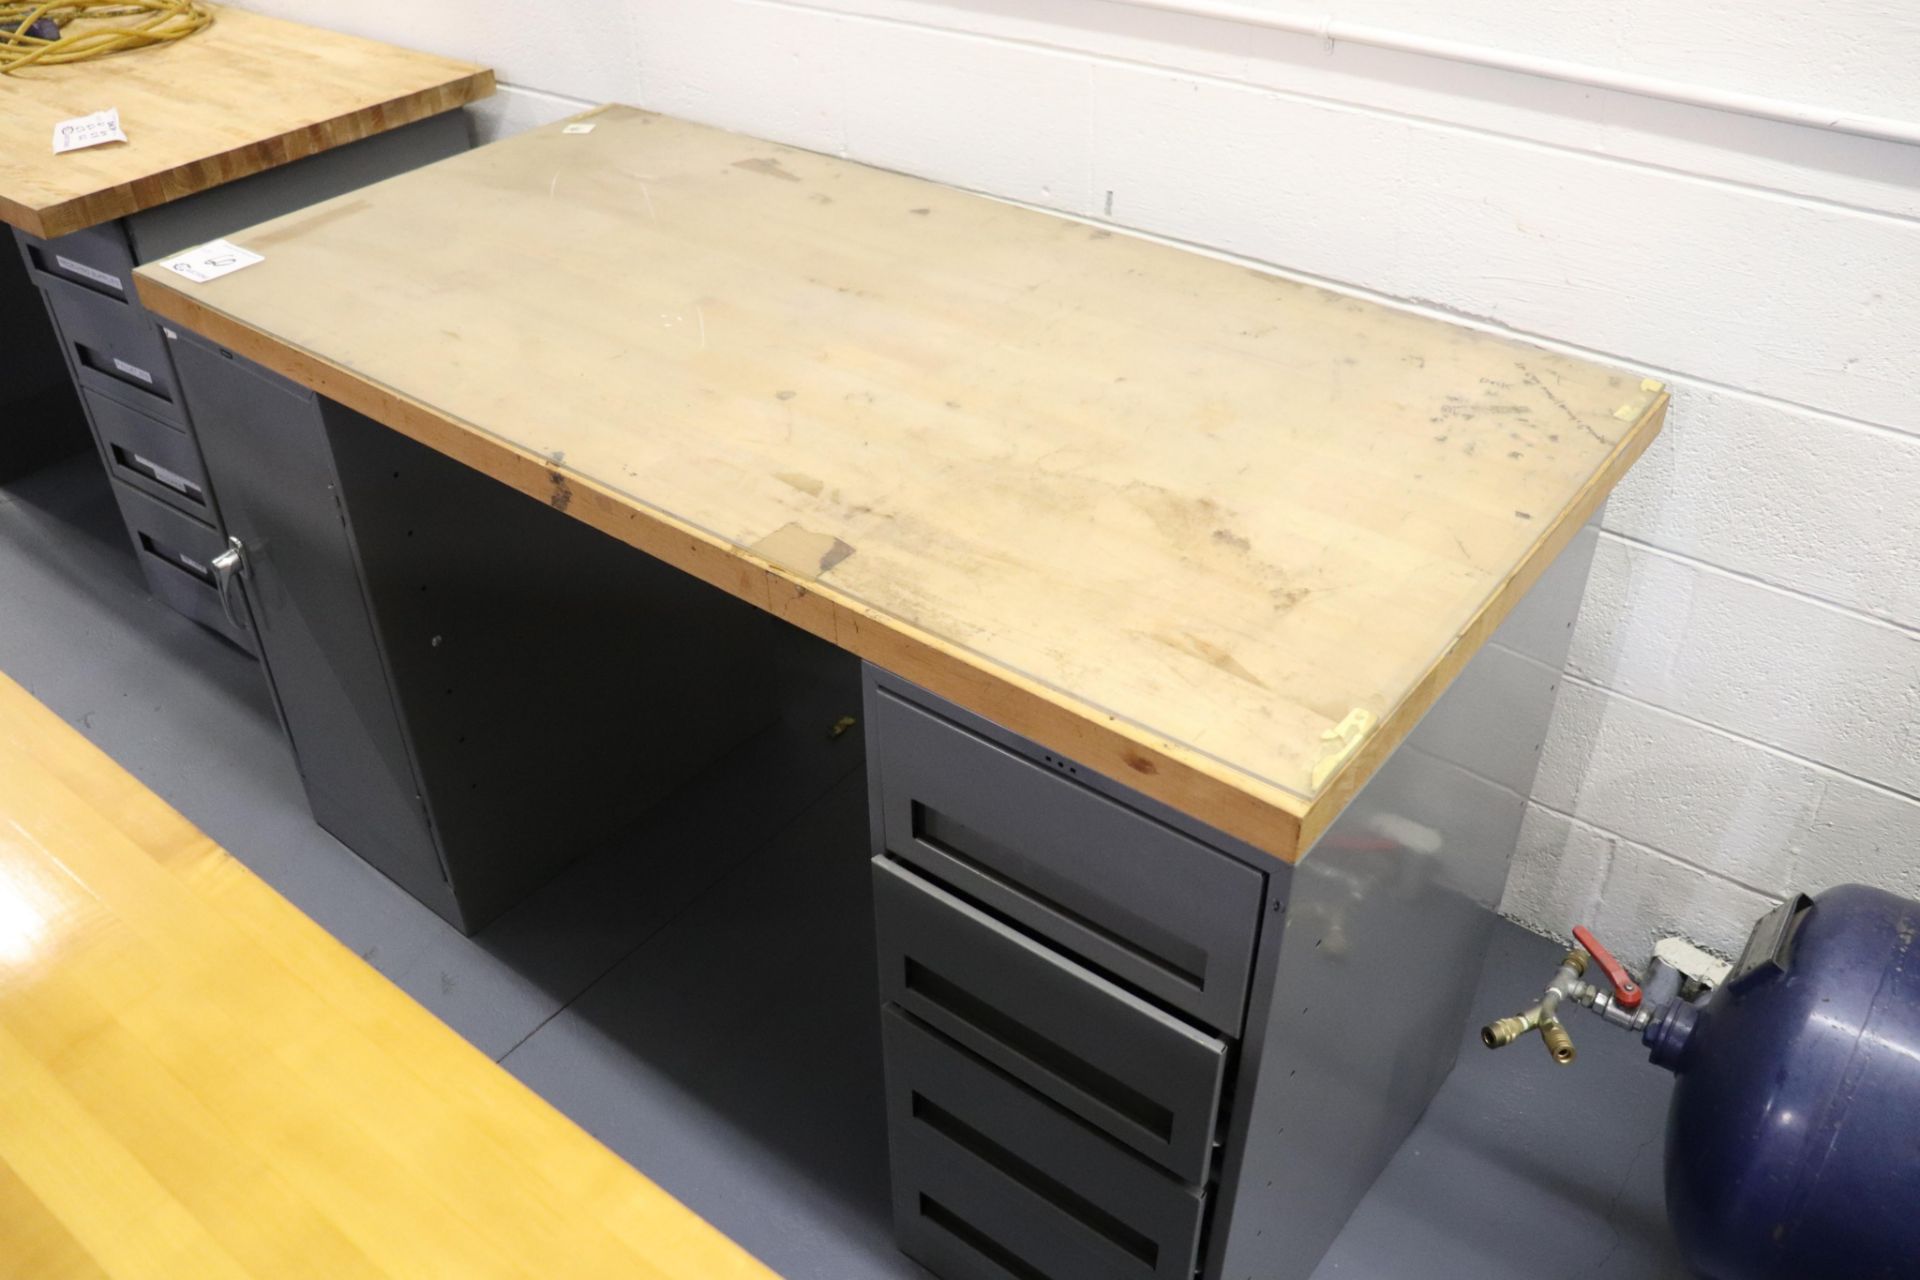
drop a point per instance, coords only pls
(1056, 1193)
(978, 1241)
(176, 559)
(1181, 961)
(129, 375)
(1036, 1048)
(153, 471)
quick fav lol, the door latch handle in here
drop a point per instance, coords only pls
(228, 566)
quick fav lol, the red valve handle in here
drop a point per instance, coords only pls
(1626, 992)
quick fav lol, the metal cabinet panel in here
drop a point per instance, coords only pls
(267, 451)
(97, 259)
(155, 457)
(1059, 1193)
(1130, 896)
(1136, 1072)
(535, 662)
(474, 682)
(40, 416)
(115, 349)
(175, 553)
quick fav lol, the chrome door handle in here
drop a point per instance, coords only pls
(227, 566)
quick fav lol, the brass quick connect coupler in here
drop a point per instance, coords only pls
(1542, 1016)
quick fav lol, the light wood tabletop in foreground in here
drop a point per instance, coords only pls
(245, 95)
(197, 1082)
(1216, 534)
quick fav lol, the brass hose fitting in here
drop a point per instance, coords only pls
(1559, 1043)
(1544, 1015)
(1498, 1035)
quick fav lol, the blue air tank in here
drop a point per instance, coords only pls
(1793, 1143)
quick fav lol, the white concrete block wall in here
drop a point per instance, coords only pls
(1741, 714)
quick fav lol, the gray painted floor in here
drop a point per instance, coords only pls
(719, 1031)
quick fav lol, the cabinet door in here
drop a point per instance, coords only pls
(264, 442)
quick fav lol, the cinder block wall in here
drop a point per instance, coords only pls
(1741, 713)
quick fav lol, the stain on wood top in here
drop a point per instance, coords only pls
(1171, 517)
(201, 1084)
(247, 94)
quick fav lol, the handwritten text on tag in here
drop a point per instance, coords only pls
(210, 261)
(88, 131)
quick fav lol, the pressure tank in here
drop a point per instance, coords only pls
(1793, 1141)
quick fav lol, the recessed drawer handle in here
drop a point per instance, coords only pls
(1065, 1198)
(1038, 1049)
(978, 1241)
(1143, 940)
(104, 283)
(121, 371)
(178, 560)
(151, 470)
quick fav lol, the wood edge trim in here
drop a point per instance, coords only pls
(1244, 807)
(1398, 723)
(78, 213)
(27, 219)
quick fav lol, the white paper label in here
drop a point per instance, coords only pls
(133, 370)
(578, 128)
(94, 274)
(88, 131)
(210, 261)
(172, 479)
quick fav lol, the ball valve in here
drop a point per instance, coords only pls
(1793, 1138)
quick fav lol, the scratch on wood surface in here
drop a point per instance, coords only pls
(800, 550)
(809, 485)
(767, 165)
(1212, 654)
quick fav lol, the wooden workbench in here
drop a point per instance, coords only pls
(200, 1083)
(1218, 535)
(248, 94)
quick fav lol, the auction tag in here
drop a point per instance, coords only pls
(211, 260)
(88, 131)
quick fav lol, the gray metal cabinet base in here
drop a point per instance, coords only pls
(477, 687)
(1122, 1046)
(40, 417)
(115, 357)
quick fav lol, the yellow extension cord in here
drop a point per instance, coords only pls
(152, 22)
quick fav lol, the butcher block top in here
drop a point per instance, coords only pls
(249, 93)
(1217, 534)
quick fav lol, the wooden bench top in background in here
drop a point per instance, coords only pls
(196, 1081)
(247, 94)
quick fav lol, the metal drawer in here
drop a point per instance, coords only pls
(116, 349)
(176, 553)
(1116, 888)
(985, 1169)
(97, 259)
(155, 457)
(1130, 1069)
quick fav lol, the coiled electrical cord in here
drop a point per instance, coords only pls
(37, 34)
